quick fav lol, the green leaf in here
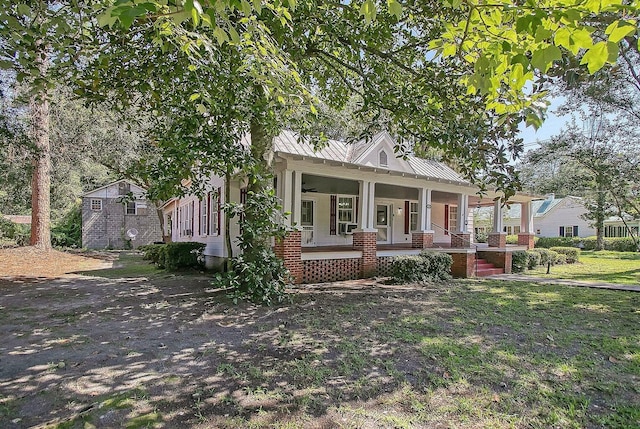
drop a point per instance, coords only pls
(596, 57)
(368, 10)
(618, 30)
(194, 96)
(542, 59)
(24, 10)
(395, 8)
(106, 19)
(221, 35)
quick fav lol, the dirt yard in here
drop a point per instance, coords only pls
(145, 348)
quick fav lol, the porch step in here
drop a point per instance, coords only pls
(484, 268)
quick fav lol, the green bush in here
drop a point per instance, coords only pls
(153, 253)
(559, 259)
(481, 237)
(14, 232)
(512, 239)
(519, 261)
(546, 256)
(175, 256)
(572, 254)
(534, 259)
(68, 231)
(548, 242)
(428, 266)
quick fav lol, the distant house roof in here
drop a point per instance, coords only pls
(94, 191)
(540, 208)
(21, 219)
(291, 143)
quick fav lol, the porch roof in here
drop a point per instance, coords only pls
(342, 154)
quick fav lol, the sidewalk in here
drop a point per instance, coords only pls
(596, 285)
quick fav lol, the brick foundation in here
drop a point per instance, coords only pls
(460, 240)
(497, 239)
(289, 249)
(422, 240)
(331, 270)
(525, 239)
(365, 241)
(463, 265)
(498, 259)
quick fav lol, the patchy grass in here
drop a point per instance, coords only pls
(128, 265)
(603, 266)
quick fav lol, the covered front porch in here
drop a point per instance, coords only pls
(347, 228)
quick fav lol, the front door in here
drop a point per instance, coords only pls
(307, 222)
(383, 223)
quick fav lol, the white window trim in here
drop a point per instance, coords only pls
(126, 208)
(204, 216)
(95, 200)
(213, 216)
(352, 210)
(386, 164)
(415, 204)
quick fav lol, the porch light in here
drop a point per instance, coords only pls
(399, 211)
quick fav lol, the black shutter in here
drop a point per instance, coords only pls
(332, 216)
(446, 219)
(357, 210)
(406, 217)
(562, 231)
(575, 231)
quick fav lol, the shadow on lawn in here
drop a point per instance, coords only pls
(136, 352)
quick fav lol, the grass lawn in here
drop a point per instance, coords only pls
(465, 354)
(602, 266)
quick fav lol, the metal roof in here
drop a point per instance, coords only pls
(293, 144)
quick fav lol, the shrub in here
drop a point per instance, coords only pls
(572, 254)
(481, 237)
(548, 242)
(519, 261)
(428, 266)
(622, 244)
(512, 239)
(68, 231)
(534, 259)
(559, 259)
(153, 253)
(175, 256)
(546, 256)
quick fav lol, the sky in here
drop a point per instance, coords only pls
(551, 126)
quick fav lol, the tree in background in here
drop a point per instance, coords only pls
(600, 162)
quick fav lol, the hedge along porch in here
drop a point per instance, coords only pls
(354, 209)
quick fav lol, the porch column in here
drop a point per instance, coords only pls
(297, 197)
(461, 237)
(365, 237)
(526, 236)
(497, 238)
(363, 204)
(423, 237)
(287, 188)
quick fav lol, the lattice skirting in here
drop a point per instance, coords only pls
(331, 270)
(384, 266)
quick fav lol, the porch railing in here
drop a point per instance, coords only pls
(464, 240)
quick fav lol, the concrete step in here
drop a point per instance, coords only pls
(489, 272)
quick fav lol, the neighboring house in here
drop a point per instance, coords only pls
(353, 207)
(554, 217)
(117, 216)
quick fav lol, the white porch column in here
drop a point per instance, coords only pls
(297, 197)
(363, 205)
(526, 217)
(428, 211)
(462, 213)
(371, 210)
(422, 210)
(497, 216)
(287, 189)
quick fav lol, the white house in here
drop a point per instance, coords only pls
(352, 206)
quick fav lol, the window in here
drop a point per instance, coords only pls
(568, 231)
(345, 214)
(516, 229)
(383, 159)
(186, 220)
(413, 216)
(306, 213)
(96, 205)
(204, 216)
(213, 214)
(130, 208)
(453, 218)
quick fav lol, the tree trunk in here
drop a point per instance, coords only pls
(601, 204)
(41, 178)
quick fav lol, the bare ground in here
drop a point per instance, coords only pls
(171, 351)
